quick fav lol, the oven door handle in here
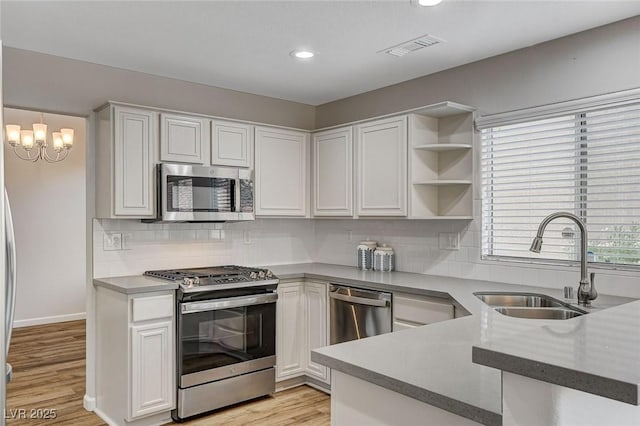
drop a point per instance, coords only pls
(231, 302)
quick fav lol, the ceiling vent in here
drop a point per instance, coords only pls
(412, 45)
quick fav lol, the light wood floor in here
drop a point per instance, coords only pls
(49, 373)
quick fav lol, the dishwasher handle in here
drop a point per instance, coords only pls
(359, 300)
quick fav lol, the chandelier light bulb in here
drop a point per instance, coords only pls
(67, 137)
(40, 132)
(13, 134)
(58, 143)
(26, 138)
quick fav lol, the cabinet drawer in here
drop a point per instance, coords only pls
(152, 307)
(421, 310)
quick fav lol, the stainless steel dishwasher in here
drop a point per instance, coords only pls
(356, 313)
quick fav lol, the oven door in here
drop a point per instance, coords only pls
(198, 193)
(222, 338)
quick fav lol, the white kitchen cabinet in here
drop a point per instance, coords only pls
(333, 173)
(231, 144)
(411, 310)
(281, 172)
(135, 356)
(151, 368)
(316, 327)
(381, 153)
(290, 331)
(182, 138)
(126, 146)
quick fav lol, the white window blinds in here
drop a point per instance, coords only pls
(586, 162)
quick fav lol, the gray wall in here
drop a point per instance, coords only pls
(601, 60)
(593, 62)
(51, 83)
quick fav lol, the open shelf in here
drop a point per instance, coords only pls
(439, 147)
(441, 162)
(443, 182)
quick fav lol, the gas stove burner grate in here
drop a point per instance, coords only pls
(215, 275)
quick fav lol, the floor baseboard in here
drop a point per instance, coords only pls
(49, 320)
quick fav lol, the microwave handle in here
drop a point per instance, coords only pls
(236, 204)
(231, 302)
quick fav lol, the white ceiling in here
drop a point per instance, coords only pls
(245, 45)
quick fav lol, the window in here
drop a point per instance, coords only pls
(583, 160)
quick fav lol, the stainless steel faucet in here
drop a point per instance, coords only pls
(586, 290)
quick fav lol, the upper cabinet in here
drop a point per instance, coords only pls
(333, 173)
(183, 138)
(231, 144)
(381, 152)
(281, 172)
(441, 162)
(126, 146)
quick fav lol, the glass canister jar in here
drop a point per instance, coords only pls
(383, 258)
(365, 255)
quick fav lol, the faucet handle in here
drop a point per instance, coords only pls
(593, 294)
(568, 292)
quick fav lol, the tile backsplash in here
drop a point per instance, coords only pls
(417, 245)
(180, 245)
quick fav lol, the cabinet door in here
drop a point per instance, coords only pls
(182, 138)
(316, 310)
(152, 369)
(382, 167)
(231, 144)
(333, 173)
(282, 159)
(134, 143)
(290, 331)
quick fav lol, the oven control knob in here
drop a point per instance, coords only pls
(253, 275)
(269, 273)
(261, 274)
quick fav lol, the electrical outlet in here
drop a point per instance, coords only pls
(112, 241)
(246, 235)
(350, 235)
(127, 238)
(449, 241)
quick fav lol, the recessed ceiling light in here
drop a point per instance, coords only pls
(429, 2)
(303, 54)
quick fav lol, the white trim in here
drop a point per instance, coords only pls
(552, 110)
(89, 402)
(49, 320)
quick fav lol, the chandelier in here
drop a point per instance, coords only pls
(31, 145)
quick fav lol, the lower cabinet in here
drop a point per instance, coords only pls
(135, 357)
(151, 366)
(316, 327)
(410, 310)
(290, 330)
(301, 326)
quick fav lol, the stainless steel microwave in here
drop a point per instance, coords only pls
(204, 194)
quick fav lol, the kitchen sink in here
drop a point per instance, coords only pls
(519, 299)
(529, 305)
(539, 313)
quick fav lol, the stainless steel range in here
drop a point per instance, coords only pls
(226, 333)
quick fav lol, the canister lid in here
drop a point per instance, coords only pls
(384, 249)
(367, 244)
